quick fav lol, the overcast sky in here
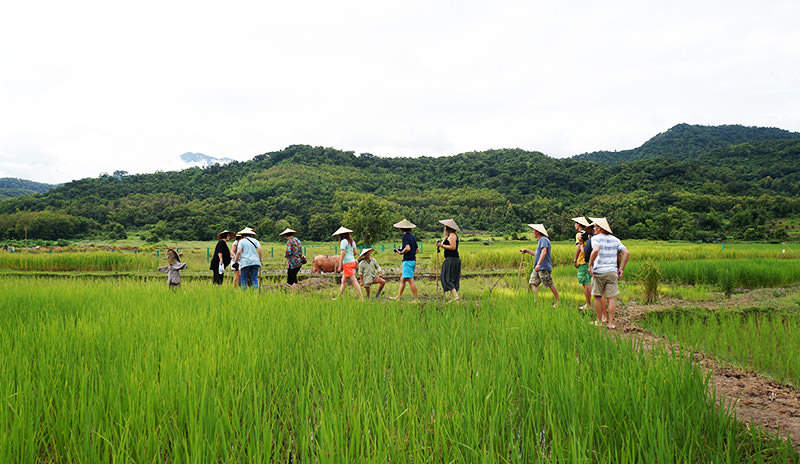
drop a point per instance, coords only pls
(96, 86)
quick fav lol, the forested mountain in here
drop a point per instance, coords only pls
(688, 141)
(13, 187)
(737, 191)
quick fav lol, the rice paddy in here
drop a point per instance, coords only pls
(127, 370)
(762, 339)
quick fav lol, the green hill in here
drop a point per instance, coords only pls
(738, 191)
(688, 141)
(12, 187)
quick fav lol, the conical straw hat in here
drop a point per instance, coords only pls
(581, 220)
(247, 231)
(539, 228)
(341, 230)
(364, 251)
(287, 231)
(603, 223)
(450, 223)
(222, 234)
(404, 224)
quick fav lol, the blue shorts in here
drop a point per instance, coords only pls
(408, 269)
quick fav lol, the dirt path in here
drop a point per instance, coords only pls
(759, 400)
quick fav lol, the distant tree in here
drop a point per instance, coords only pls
(370, 220)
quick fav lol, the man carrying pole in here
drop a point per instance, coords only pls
(542, 263)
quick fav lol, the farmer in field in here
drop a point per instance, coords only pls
(348, 261)
(451, 266)
(582, 235)
(173, 269)
(606, 269)
(408, 249)
(221, 258)
(542, 263)
(237, 273)
(248, 257)
(369, 271)
(294, 257)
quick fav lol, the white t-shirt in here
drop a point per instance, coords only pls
(608, 246)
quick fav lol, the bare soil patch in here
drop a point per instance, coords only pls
(758, 399)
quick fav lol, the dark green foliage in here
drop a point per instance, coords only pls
(11, 187)
(735, 192)
(688, 141)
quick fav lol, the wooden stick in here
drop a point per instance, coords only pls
(519, 274)
(436, 272)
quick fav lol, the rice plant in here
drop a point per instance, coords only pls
(78, 261)
(757, 338)
(98, 371)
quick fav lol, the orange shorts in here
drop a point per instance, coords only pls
(350, 268)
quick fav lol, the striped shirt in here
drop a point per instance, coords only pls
(606, 260)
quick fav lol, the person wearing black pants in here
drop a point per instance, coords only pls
(222, 257)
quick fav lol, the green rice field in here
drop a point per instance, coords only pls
(103, 371)
(123, 369)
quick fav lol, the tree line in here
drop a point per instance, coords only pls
(738, 192)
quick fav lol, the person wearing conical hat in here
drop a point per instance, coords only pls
(542, 263)
(451, 266)
(606, 264)
(408, 249)
(221, 258)
(248, 256)
(369, 271)
(348, 261)
(581, 259)
(294, 257)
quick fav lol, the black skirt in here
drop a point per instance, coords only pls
(451, 274)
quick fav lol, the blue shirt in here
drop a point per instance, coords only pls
(411, 241)
(544, 243)
(249, 247)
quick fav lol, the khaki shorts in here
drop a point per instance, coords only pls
(541, 277)
(605, 283)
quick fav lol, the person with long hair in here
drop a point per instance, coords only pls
(347, 261)
(451, 266)
(221, 258)
(294, 257)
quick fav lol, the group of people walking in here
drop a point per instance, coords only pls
(244, 258)
(600, 259)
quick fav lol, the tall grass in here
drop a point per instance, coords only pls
(724, 273)
(761, 339)
(129, 371)
(77, 261)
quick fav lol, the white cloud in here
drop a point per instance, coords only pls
(93, 86)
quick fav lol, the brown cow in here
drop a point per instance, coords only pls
(324, 263)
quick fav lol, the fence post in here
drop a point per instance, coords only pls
(272, 252)
(208, 255)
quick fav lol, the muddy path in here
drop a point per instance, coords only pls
(758, 399)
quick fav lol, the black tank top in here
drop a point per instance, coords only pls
(450, 253)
